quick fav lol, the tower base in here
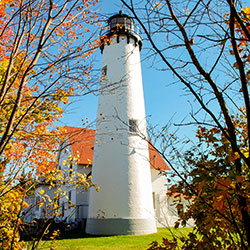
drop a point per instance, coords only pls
(119, 226)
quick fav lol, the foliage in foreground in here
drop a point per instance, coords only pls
(205, 44)
(42, 64)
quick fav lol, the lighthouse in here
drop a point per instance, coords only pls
(121, 168)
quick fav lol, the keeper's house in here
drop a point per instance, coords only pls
(81, 141)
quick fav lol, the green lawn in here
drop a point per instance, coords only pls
(78, 241)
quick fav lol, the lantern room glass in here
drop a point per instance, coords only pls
(125, 23)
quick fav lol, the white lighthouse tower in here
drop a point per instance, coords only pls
(121, 168)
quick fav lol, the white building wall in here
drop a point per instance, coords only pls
(29, 213)
(160, 198)
(164, 210)
(69, 213)
(166, 213)
(82, 196)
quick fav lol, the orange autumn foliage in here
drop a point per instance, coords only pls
(214, 172)
(44, 60)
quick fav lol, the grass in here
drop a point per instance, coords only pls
(77, 240)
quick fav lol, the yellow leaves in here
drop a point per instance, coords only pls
(56, 197)
(25, 204)
(246, 11)
(48, 198)
(42, 192)
(55, 234)
(35, 143)
(157, 5)
(41, 204)
(9, 214)
(242, 38)
(245, 152)
(233, 156)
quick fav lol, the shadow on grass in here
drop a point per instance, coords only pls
(78, 234)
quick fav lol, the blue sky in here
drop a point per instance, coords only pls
(163, 102)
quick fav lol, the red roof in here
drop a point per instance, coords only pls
(82, 140)
(156, 161)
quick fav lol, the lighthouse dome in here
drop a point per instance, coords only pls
(121, 24)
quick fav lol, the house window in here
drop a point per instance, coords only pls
(104, 71)
(69, 201)
(37, 203)
(132, 124)
(154, 199)
(70, 170)
(62, 209)
(77, 212)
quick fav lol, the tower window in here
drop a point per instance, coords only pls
(104, 71)
(69, 201)
(132, 125)
(37, 203)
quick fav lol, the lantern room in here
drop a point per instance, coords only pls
(121, 24)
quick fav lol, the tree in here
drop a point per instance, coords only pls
(205, 44)
(45, 49)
